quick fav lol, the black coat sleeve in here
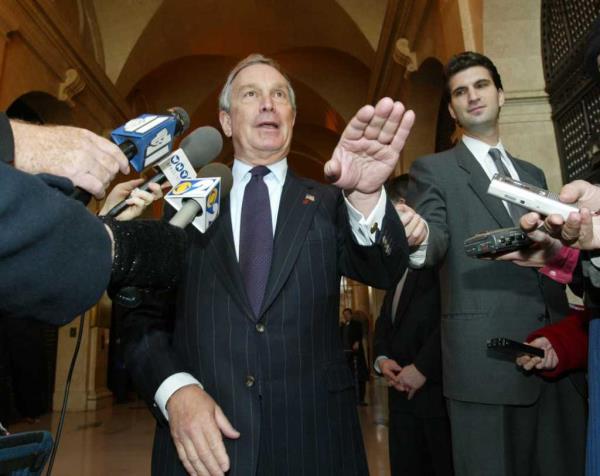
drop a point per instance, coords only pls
(380, 265)
(383, 328)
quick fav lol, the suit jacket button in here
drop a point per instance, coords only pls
(260, 327)
(250, 381)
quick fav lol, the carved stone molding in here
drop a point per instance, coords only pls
(70, 87)
(405, 57)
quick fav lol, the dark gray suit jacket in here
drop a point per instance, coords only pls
(285, 386)
(480, 299)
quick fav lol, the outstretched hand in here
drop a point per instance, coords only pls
(370, 147)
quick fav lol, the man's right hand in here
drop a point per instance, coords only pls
(197, 424)
(88, 160)
(391, 370)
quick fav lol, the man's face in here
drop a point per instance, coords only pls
(347, 315)
(475, 101)
(261, 118)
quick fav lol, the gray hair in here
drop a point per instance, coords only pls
(225, 96)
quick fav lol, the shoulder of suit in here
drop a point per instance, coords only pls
(437, 159)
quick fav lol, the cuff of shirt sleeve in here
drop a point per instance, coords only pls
(366, 230)
(169, 386)
(381, 358)
(560, 268)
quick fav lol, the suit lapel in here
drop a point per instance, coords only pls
(296, 210)
(480, 182)
(224, 259)
(524, 175)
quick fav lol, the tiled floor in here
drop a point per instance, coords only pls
(118, 440)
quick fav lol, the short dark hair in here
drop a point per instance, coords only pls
(347, 309)
(397, 188)
(466, 60)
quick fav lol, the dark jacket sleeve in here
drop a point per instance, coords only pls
(380, 265)
(383, 328)
(569, 338)
(429, 359)
(147, 334)
(55, 256)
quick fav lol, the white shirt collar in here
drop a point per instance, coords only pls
(480, 149)
(240, 170)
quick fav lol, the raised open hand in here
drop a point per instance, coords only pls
(370, 146)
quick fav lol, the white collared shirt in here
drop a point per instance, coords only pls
(480, 151)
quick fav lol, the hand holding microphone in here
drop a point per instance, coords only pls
(143, 140)
(136, 199)
(88, 160)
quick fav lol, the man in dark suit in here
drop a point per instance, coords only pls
(408, 354)
(351, 332)
(255, 355)
(503, 421)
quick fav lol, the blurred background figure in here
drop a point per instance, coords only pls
(351, 331)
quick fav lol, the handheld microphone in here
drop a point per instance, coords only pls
(149, 137)
(198, 200)
(198, 148)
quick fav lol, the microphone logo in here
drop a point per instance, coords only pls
(212, 199)
(181, 188)
(161, 139)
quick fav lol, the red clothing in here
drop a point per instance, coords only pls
(561, 267)
(569, 338)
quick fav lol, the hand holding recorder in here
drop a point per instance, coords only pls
(568, 215)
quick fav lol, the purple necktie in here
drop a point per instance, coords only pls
(256, 237)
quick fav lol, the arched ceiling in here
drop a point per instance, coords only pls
(179, 53)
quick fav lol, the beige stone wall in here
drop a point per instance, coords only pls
(511, 37)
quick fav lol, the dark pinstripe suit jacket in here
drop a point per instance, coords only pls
(281, 378)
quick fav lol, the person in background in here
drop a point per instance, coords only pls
(352, 337)
(408, 355)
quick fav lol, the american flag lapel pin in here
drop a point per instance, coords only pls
(308, 198)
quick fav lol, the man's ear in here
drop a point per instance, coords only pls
(225, 120)
(500, 97)
(451, 111)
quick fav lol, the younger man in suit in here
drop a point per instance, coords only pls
(408, 355)
(503, 422)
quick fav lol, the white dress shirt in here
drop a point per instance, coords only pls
(361, 228)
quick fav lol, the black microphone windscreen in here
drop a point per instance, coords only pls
(202, 145)
(183, 119)
(218, 170)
